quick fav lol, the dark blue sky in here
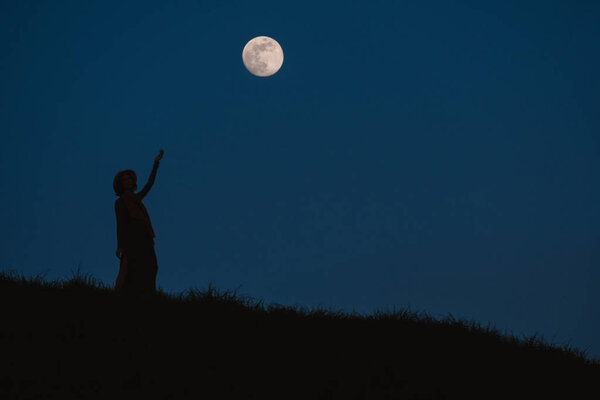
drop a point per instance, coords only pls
(438, 155)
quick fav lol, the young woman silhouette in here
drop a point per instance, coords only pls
(135, 236)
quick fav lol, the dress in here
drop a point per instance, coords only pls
(139, 265)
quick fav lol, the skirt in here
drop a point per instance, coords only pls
(138, 269)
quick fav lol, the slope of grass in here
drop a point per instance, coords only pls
(79, 339)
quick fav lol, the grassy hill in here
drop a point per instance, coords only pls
(78, 339)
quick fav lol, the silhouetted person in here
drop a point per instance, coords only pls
(135, 236)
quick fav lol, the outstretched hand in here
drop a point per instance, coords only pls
(159, 156)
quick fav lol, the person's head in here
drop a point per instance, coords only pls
(125, 180)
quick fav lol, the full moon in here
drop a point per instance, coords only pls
(262, 56)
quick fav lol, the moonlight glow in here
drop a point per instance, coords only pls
(262, 56)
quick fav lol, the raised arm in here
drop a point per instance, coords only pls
(142, 193)
(150, 182)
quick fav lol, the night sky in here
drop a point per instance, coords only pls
(437, 155)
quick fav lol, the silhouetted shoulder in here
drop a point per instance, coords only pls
(120, 208)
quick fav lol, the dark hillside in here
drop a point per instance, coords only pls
(78, 339)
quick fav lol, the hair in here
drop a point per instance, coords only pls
(117, 185)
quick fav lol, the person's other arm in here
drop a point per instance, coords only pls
(120, 213)
(150, 182)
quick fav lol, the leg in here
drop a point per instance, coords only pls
(122, 273)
